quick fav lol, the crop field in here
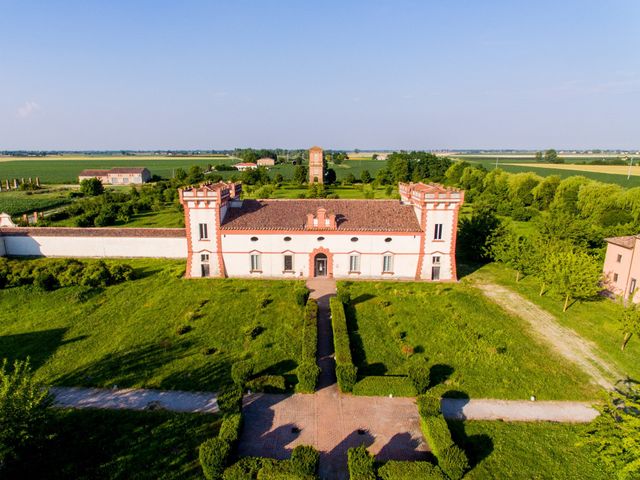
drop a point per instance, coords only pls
(612, 169)
(17, 203)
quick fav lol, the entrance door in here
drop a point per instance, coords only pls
(320, 263)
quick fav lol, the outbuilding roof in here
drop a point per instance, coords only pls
(92, 232)
(626, 242)
(351, 215)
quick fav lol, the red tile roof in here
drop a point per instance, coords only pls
(92, 232)
(101, 173)
(93, 173)
(351, 215)
(626, 242)
(127, 170)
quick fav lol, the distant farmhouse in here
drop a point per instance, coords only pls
(242, 166)
(266, 162)
(622, 266)
(118, 175)
(413, 238)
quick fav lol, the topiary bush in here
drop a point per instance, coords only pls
(396, 470)
(453, 461)
(304, 460)
(310, 331)
(428, 405)
(347, 375)
(361, 464)
(301, 295)
(344, 296)
(436, 432)
(246, 468)
(346, 371)
(268, 384)
(419, 374)
(231, 427)
(241, 372)
(307, 373)
(230, 399)
(214, 454)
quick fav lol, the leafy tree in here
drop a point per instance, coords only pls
(629, 322)
(91, 187)
(551, 156)
(514, 250)
(196, 174)
(566, 197)
(475, 231)
(472, 178)
(538, 157)
(24, 410)
(365, 176)
(521, 186)
(180, 174)
(545, 191)
(576, 276)
(614, 435)
(454, 172)
(350, 179)
(595, 199)
(300, 174)
(330, 176)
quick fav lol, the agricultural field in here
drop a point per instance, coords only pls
(90, 444)
(595, 320)
(524, 451)
(16, 202)
(476, 349)
(158, 331)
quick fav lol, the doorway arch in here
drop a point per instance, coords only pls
(321, 263)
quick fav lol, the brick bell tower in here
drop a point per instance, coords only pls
(316, 165)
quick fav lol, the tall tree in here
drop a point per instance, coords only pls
(365, 176)
(545, 191)
(576, 276)
(514, 250)
(475, 231)
(629, 322)
(551, 156)
(300, 174)
(91, 187)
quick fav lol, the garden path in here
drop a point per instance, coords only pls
(564, 340)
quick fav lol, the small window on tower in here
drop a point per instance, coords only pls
(204, 234)
(619, 259)
(437, 232)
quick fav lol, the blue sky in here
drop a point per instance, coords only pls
(341, 74)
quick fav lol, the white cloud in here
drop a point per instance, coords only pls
(28, 109)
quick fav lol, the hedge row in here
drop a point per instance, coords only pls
(346, 371)
(361, 464)
(214, 453)
(50, 274)
(451, 459)
(303, 465)
(376, 386)
(396, 470)
(308, 371)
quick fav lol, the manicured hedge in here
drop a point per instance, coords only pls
(361, 464)
(230, 399)
(303, 465)
(231, 427)
(214, 454)
(346, 371)
(308, 371)
(246, 468)
(428, 405)
(419, 374)
(268, 384)
(396, 470)
(384, 386)
(241, 372)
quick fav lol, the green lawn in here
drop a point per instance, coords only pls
(100, 444)
(17, 203)
(594, 320)
(513, 451)
(475, 348)
(126, 335)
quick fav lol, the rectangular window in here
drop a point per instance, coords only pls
(632, 287)
(288, 263)
(387, 264)
(204, 233)
(354, 263)
(437, 232)
(435, 260)
(204, 257)
(615, 277)
(435, 272)
(619, 259)
(125, 180)
(255, 262)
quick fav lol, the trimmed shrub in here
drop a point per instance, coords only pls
(360, 463)
(436, 432)
(307, 374)
(396, 470)
(384, 386)
(230, 399)
(214, 454)
(230, 428)
(304, 460)
(246, 468)
(347, 375)
(268, 384)
(242, 371)
(344, 296)
(419, 375)
(428, 405)
(310, 331)
(301, 295)
(453, 461)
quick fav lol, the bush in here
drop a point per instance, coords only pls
(428, 405)
(307, 374)
(310, 331)
(214, 455)
(230, 428)
(344, 296)
(301, 295)
(246, 468)
(384, 386)
(347, 375)
(340, 332)
(360, 463)
(419, 375)
(453, 461)
(268, 384)
(436, 432)
(396, 470)
(230, 399)
(304, 460)
(242, 371)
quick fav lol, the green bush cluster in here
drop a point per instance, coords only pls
(308, 371)
(301, 295)
(346, 371)
(303, 465)
(230, 428)
(230, 399)
(361, 464)
(419, 374)
(214, 454)
(246, 468)
(451, 459)
(241, 372)
(397, 470)
(52, 273)
(374, 385)
(268, 384)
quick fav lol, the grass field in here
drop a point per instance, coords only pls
(99, 444)
(476, 348)
(17, 203)
(606, 169)
(594, 320)
(525, 451)
(126, 334)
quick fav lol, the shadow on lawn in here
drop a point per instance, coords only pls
(141, 366)
(37, 346)
(477, 447)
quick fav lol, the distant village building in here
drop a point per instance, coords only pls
(622, 266)
(118, 175)
(245, 166)
(266, 162)
(316, 165)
